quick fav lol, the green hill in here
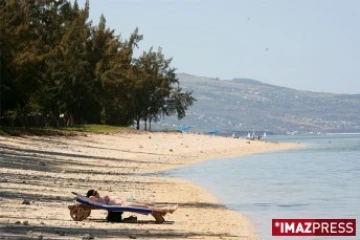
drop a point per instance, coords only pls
(250, 105)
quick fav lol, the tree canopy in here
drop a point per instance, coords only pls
(59, 67)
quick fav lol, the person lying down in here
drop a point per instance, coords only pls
(117, 200)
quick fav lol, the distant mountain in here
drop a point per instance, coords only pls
(250, 105)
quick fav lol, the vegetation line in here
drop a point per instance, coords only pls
(57, 69)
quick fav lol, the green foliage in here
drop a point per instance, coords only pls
(66, 131)
(55, 63)
(98, 128)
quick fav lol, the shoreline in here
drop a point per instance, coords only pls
(45, 170)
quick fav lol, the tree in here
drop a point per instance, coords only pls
(157, 89)
(111, 60)
(179, 102)
(53, 61)
(54, 17)
(72, 67)
(19, 48)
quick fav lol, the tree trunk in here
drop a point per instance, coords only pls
(70, 121)
(137, 124)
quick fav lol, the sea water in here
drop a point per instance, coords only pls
(319, 180)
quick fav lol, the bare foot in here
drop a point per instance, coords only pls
(173, 208)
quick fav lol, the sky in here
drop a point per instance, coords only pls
(302, 44)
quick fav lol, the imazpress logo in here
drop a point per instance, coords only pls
(314, 227)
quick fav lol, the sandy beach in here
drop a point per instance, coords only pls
(38, 174)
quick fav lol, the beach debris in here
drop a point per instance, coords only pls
(42, 164)
(3, 180)
(17, 222)
(88, 236)
(61, 233)
(40, 237)
(26, 222)
(131, 219)
(132, 237)
(170, 150)
(26, 202)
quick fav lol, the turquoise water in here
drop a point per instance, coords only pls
(319, 180)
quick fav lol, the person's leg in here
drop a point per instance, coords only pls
(167, 209)
(115, 200)
(150, 204)
(132, 204)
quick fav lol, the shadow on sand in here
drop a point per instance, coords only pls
(51, 162)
